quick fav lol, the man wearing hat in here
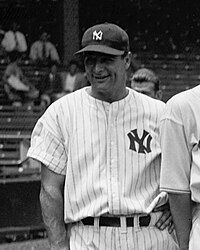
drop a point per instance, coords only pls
(100, 157)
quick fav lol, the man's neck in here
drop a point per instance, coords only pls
(107, 97)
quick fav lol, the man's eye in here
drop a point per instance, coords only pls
(93, 60)
(89, 60)
(107, 60)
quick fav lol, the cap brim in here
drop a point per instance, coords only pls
(101, 49)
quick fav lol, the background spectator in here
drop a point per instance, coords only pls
(145, 81)
(19, 90)
(43, 51)
(51, 86)
(73, 78)
(14, 41)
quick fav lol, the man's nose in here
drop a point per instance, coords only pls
(98, 67)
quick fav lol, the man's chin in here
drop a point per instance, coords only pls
(103, 82)
(102, 86)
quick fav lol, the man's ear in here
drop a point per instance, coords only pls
(127, 59)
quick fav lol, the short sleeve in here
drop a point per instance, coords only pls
(47, 143)
(176, 160)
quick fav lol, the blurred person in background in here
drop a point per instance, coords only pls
(73, 79)
(14, 41)
(50, 87)
(18, 88)
(43, 51)
(146, 82)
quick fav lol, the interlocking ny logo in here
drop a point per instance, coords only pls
(134, 138)
(97, 35)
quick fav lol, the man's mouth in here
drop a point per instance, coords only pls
(101, 78)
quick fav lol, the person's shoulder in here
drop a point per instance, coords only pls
(147, 99)
(64, 103)
(20, 33)
(181, 99)
(8, 33)
(69, 97)
(50, 44)
(35, 43)
(178, 107)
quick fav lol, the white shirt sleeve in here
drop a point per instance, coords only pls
(53, 52)
(176, 159)
(22, 42)
(33, 51)
(47, 143)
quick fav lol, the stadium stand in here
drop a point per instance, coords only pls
(16, 125)
(164, 37)
(177, 72)
(19, 180)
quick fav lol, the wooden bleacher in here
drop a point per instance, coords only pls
(18, 122)
(16, 125)
(177, 72)
(19, 180)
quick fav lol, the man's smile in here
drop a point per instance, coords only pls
(101, 78)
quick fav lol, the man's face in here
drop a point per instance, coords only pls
(106, 73)
(147, 88)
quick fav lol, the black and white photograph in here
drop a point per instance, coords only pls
(99, 125)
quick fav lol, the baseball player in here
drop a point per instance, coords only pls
(146, 82)
(100, 157)
(180, 175)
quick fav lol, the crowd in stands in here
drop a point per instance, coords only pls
(57, 79)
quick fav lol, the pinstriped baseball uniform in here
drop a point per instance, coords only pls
(180, 127)
(110, 155)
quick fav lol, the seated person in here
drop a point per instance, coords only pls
(146, 82)
(43, 51)
(19, 90)
(73, 79)
(50, 88)
(14, 41)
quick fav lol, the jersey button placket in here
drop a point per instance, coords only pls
(114, 177)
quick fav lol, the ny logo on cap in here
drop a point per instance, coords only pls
(97, 35)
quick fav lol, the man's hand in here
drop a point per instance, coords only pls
(61, 244)
(165, 221)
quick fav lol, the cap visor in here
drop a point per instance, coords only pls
(101, 49)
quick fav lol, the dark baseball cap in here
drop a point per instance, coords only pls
(105, 38)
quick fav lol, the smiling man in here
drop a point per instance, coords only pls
(100, 157)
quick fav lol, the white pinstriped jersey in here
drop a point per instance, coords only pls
(109, 152)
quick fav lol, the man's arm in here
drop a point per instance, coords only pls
(181, 209)
(51, 199)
